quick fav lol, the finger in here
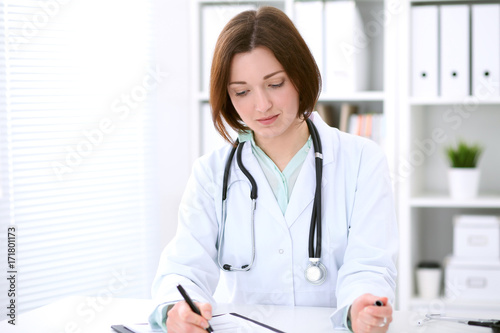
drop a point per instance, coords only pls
(384, 300)
(205, 309)
(369, 300)
(379, 311)
(181, 327)
(186, 315)
(368, 319)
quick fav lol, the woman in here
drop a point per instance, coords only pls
(264, 84)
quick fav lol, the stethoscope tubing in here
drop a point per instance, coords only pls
(253, 195)
(315, 227)
(316, 214)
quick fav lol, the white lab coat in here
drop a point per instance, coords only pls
(359, 238)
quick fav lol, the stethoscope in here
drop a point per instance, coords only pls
(494, 324)
(315, 271)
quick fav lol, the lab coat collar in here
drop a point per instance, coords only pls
(304, 188)
(265, 195)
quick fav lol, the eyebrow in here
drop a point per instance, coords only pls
(265, 77)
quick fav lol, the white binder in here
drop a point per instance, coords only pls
(485, 49)
(346, 49)
(455, 50)
(213, 18)
(424, 51)
(308, 18)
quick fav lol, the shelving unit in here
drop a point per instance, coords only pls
(425, 209)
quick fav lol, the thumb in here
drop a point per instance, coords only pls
(384, 300)
(206, 310)
(370, 299)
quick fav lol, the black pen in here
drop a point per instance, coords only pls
(193, 306)
(378, 303)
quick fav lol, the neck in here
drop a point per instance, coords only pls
(283, 148)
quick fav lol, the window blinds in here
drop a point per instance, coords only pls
(76, 142)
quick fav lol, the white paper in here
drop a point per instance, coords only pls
(142, 328)
(229, 323)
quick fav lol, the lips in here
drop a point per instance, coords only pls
(268, 120)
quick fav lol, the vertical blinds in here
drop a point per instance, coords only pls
(76, 142)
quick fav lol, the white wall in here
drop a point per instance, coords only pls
(174, 158)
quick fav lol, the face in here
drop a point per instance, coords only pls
(263, 95)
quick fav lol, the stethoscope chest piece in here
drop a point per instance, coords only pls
(315, 272)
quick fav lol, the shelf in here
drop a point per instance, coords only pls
(360, 96)
(443, 200)
(454, 305)
(445, 2)
(203, 97)
(225, 2)
(466, 100)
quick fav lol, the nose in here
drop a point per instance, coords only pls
(262, 101)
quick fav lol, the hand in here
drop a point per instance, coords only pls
(369, 318)
(181, 319)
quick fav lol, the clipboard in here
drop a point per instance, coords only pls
(272, 329)
(226, 322)
(135, 328)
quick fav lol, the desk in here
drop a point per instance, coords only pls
(96, 315)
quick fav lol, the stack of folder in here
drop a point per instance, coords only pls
(455, 50)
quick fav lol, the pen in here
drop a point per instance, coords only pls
(193, 306)
(378, 303)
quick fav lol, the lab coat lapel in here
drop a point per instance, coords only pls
(303, 191)
(305, 186)
(265, 195)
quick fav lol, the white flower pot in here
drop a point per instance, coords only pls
(429, 282)
(463, 182)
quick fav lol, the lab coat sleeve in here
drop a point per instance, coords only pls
(190, 258)
(369, 264)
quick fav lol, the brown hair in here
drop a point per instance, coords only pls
(271, 28)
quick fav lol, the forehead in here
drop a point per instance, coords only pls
(254, 64)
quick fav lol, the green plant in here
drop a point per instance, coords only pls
(464, 155)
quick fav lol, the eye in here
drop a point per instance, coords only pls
(241, 93)
(277, 85)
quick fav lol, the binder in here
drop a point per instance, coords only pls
(308, 18)
(424, 51)
(346, 48)
(346, 110)
(485, 49)
(213, 19)
(329, 114)
(454, 59)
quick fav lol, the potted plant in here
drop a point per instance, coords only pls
(463, 174)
